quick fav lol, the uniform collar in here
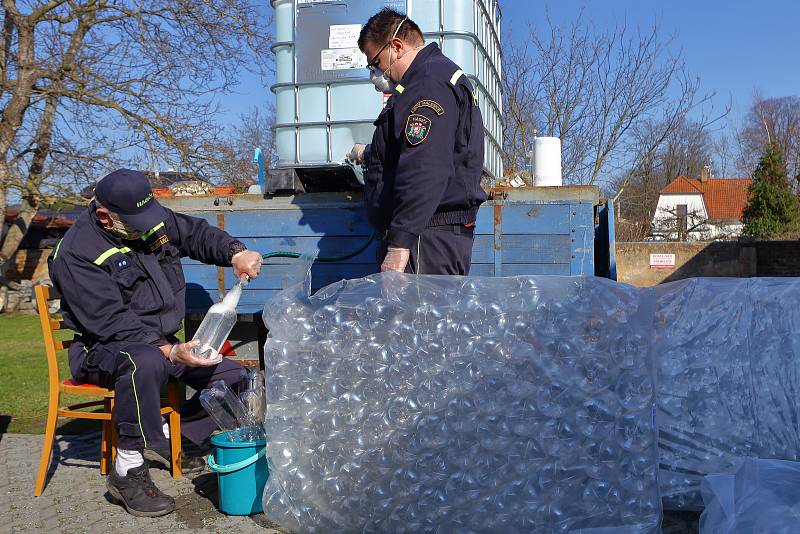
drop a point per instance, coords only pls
(96, 222)
(418, 63)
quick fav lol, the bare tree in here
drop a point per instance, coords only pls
(593, 89)
(685, 150)
(518, 98)
(235, 153)
(724, 155)
(87, 84)
(771, 120)
(671, 225)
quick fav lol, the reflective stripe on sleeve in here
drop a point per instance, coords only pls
(152, 231)
(110, 252)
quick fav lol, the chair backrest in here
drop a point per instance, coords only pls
(49, 325)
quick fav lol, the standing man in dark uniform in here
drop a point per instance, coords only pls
(122, 289)
(424, 165)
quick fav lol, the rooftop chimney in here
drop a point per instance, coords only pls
(705, 173)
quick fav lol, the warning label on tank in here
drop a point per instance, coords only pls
(343, 58)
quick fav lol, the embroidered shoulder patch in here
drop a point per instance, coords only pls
(417, 129)
(434, 105)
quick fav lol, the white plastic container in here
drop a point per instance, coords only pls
(324, 106)
(547, 161)
(218, 323)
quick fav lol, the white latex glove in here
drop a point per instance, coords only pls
(182, 353)
(395, 260)
(394, 285)
(246, 262)
(356, 154)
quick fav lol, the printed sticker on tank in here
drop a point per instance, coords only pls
(343, 59)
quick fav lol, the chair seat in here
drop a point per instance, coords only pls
(69, 386)
(70, 382)
(227, 349)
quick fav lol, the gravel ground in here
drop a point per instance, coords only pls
(75, 497)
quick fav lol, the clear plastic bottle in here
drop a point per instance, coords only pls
(218, 323)
(223, 406)
(254, 397)
(230, 414)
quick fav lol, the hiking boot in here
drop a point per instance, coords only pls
(163, 457)
(137, 493)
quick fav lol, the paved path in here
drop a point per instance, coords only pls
(75, 498)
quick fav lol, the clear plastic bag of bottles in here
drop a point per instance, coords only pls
(398, 403)
(727, 352)
(757, 496)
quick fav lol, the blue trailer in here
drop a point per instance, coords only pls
(520, 231)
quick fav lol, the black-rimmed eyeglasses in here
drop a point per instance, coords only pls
(371, 63)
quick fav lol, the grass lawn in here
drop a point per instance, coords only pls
(23, 379)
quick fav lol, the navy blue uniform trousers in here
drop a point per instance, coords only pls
(137, 372)
(446, 249)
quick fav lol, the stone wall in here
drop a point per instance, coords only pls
(18, 297)
(716, 258)
(776, 258)
(27, 268)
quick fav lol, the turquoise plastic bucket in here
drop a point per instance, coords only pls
(242, 473)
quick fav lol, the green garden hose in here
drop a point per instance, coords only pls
(323, 259)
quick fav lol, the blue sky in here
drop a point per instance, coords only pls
(736, 47)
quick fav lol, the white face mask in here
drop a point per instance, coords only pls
(382, 82)
(122, 230)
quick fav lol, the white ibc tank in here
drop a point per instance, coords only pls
(324, 99)
(546, 161)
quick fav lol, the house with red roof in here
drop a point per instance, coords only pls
(701, 209)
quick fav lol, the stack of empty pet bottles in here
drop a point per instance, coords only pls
(242, 416)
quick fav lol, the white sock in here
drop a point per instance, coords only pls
(165, 429)
(127, 460)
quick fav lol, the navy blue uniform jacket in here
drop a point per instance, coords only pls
(116, 290)
(425, 162)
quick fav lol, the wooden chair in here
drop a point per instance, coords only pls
(55, 410)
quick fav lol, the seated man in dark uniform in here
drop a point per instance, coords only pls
(122, 289)
(422, 187)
